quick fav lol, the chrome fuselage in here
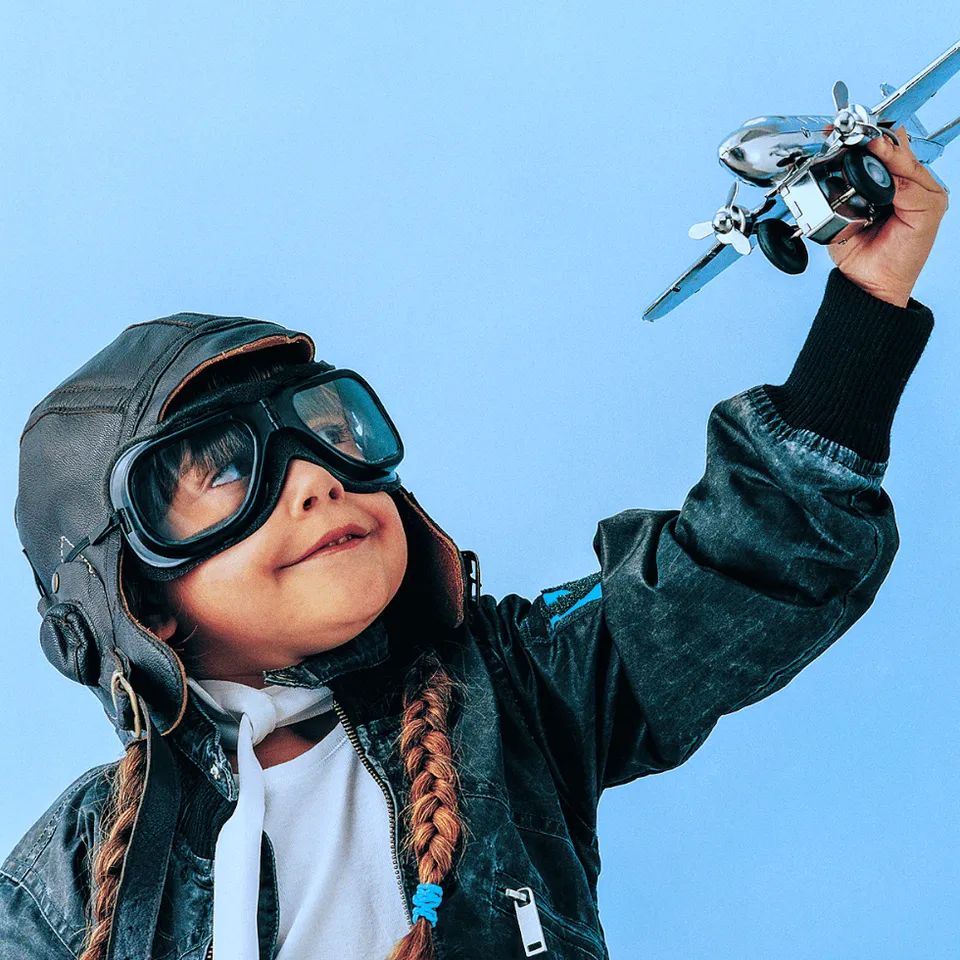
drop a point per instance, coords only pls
(763, 150)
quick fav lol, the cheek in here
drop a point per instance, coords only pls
(395, 540)
(400, 553)
(208, 592)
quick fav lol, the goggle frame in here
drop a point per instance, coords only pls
(264, 418)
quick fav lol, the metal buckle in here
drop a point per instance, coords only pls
(118, 677)
(473, 575)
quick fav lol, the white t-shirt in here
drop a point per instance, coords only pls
(329, 824)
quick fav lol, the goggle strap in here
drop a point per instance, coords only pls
(105, 528)
(44, 593)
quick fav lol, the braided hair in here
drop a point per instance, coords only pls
(433, 815)
(435, 825)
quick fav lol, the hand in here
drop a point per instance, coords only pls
(886, 258)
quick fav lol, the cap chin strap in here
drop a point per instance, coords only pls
(144, 870)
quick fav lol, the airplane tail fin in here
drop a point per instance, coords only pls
(945, 134)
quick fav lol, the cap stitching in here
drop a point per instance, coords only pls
(79, 556)
(67, 410)
(167, 323)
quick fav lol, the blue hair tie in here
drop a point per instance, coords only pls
(426, 900)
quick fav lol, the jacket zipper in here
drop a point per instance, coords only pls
(528, 920)
(391, 802)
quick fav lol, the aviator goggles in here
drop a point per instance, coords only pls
(195, 488)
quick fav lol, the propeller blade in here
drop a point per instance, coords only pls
(700, 230)
(740, 243)
(732, 195)
(841, 96)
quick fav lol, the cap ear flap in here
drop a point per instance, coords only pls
(69, 643)
(69, 636)
(434, 579)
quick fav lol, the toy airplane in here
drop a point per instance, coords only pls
(822, 179)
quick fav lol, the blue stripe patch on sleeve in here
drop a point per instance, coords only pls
(559, 602)
(594, 594)
(550, 597)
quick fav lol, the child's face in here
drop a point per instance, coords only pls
(254, 608)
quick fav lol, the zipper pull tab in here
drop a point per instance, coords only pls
(528, 919)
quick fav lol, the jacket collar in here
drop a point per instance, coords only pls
(367, 649)
(198, 737)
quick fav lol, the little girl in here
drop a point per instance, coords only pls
(334, 744)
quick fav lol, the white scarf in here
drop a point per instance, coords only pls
(245, 716)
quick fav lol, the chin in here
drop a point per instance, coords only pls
(340, 628)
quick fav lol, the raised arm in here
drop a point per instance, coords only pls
(776, 551)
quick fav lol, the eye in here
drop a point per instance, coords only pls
(334, 433)
(229, 474)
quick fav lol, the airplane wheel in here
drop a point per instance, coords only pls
(869, 177)
(780, 247)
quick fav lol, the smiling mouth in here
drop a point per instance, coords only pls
(338, 546)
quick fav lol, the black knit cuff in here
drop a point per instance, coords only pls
(857, 358)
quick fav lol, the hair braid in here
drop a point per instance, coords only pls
(433, 815)
(116, 827)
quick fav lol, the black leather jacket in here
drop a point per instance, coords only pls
(692, 614)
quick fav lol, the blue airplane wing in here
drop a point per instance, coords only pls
(946, 133)
(899, 105)
(713, 262)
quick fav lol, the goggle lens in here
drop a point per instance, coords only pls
(344, 416)
(196, 482)
(200, 479)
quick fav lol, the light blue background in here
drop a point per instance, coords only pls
(472, 204)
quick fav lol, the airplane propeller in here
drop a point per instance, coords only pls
(853, 123)
(729, 225)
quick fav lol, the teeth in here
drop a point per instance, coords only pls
(334, 543)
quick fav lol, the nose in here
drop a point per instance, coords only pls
(308, 483)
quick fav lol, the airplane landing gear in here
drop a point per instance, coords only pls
(785, 251)
(855, 189)
(869, 177)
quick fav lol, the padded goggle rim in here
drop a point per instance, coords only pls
(264, 418)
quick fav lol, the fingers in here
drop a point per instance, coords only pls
(920, 201)
(903, 163)
(911, 197)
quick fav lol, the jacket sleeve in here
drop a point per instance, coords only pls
(25, 933)
(44, 880)
(695, 613)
